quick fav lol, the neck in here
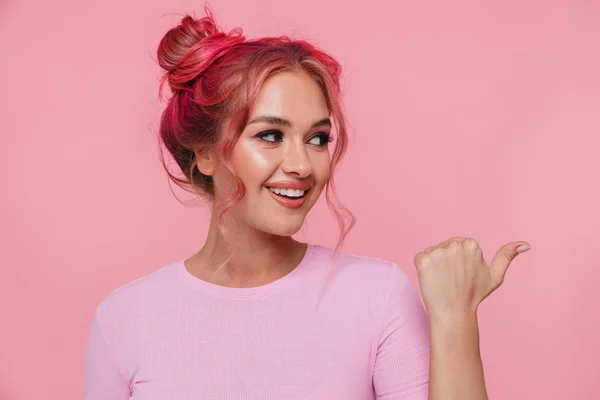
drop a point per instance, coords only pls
(258, 257)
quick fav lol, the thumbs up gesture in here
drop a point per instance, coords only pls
(454, 277)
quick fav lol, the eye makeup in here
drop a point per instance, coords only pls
(275, 136)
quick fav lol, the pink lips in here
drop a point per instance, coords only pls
(288, 202)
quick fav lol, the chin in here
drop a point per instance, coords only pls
(288, 228)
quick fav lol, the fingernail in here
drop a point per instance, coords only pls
(523, 248)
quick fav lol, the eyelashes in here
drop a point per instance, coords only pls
(275, 136)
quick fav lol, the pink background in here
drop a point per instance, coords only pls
(471, 118)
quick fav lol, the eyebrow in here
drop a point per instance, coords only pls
(284, 122)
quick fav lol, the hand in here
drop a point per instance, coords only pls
(454, 278)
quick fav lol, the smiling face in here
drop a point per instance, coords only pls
(282, 155)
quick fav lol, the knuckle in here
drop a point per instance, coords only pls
(454, 247)
(471, 244)
(437, 252)
(423, 260)
(418, 259)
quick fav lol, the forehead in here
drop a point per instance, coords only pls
(292, 95)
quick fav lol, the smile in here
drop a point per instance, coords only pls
(288, 192)
(288, 197)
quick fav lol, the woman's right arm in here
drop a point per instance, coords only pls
(103, 377)
(456, 369)
(454, 280)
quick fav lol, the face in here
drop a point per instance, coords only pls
(282, 156)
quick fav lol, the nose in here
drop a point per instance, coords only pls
(296, 161)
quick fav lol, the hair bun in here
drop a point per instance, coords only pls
(180, 39)
(189, 48)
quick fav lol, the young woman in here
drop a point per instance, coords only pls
(255, 314)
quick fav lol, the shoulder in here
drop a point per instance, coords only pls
(366, 268)
(366, 275)
(370, 283)
(137, 295)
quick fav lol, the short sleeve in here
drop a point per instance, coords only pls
(103, 378)
(401, 369)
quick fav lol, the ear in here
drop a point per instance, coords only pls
(205, 161)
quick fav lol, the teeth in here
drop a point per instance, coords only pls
(288, 192)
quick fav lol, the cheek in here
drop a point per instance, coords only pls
(322, 168)
(253, 165)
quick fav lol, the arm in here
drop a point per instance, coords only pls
(456, 370)
(103, 378)
(454, 280)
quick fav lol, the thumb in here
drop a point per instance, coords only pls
(504, 257)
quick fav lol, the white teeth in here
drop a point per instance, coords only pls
(288, 192)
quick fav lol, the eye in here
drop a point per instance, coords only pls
(270, 136)
(321, 139)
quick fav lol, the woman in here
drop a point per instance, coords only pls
(255, 314)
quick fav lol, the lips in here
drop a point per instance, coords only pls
(285, 201)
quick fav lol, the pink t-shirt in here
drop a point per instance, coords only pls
(172, 336)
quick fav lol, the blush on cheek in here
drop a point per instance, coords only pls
(253, 163)
(322, 171)
(250, 156)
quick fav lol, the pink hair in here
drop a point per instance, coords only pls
(215, 77)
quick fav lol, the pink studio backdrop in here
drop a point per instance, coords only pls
(468, 118)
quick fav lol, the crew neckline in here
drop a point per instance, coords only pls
(214, 289)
